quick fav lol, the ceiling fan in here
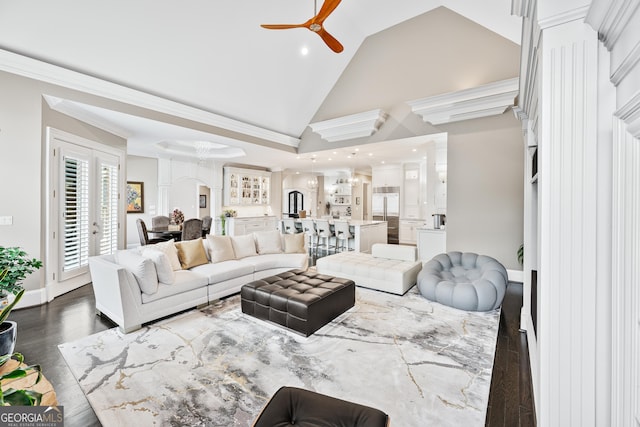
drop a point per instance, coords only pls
(315, 24)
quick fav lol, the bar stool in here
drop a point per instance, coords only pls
(289, 226)
(309, 229)
(324, 235)
(343, 236)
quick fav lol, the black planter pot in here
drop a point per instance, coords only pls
(8, 334)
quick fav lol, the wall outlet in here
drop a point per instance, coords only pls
(6, 220)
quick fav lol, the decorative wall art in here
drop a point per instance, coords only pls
(135, 197)
(203, 200)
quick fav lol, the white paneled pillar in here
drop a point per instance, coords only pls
(164, 186)
(568, 222)
(625, 387)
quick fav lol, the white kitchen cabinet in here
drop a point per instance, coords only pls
(431, 242)
(408, 233)
(246, 187)
(247, 225)
(386, 176)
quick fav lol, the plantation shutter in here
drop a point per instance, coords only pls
(108, 207)
(75, 214)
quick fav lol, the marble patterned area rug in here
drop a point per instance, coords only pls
(422, 363)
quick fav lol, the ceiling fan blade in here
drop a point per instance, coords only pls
(282, 26)
(327, 7)
(331, 41)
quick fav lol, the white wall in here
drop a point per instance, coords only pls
(143, 169)
(485, 188)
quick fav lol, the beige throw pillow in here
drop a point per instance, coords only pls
(220, 248)
(191, 253)
(169, 249)
(293, 243)
(243, 246)
(268, 242)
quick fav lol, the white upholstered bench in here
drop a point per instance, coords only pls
(389, 268)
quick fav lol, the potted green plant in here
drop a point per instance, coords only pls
(13, 397)
(15, 266)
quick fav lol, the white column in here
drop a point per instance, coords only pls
(164, 185)
(625, 387)
(568, 223)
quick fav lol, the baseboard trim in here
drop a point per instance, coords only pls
(515, 276)
(32, 298)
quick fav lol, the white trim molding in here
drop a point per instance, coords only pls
(42, 71)
(481, 101)
(349, 127)
(609, 18)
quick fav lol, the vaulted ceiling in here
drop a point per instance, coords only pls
(214, 56)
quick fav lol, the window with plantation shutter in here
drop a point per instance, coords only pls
(75, 213)
(108, 206)
(84, 207)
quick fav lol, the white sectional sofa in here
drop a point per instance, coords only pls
(136, 286)
(389, 268)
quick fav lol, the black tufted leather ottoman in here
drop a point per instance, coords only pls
(303, 301)
(296, 406)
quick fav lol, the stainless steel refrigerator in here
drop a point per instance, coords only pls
(385, 206)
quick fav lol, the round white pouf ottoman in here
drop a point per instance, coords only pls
(466, 281)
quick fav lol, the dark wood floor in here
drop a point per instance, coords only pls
(72, 316)
(511, 395)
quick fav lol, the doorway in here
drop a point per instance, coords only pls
(83, 208)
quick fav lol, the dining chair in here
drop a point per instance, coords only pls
(192, 229)
(206, 225)
(325, 234)
(144, 236)
(343, 236)
(160, 221)
(309, 230)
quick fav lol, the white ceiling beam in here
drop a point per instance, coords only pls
(349, 127)
(481, 101)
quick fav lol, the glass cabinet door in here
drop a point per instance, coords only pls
(266, 187)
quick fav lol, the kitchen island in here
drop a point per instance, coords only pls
(365, 233)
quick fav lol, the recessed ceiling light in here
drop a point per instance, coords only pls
(335, 152)
(297, 172)
(298, 157)
(414, 150)
(382, 162)
(370, 154)
(357, 149)
(304, 51)
(330, 159)
(348, 157)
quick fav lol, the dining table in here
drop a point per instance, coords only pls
(165, 232)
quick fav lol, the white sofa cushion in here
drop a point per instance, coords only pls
(142, 269)
(169, 248)
(399, 252)
(220, 248)
(270, 261)
(162, 264)
(185, 281)
(268, 242)
(221, 271)
(244, 246)
(293, 243)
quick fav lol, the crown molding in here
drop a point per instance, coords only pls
(521, 8)
(630, 114)
(609, 18)
(53, 74)
(481, 101)
(349, 127)
(562, 18)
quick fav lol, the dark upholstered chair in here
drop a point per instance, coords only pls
(206, 225)
(192, 229)
(143, 235)
(160, 221)
(296, 406)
